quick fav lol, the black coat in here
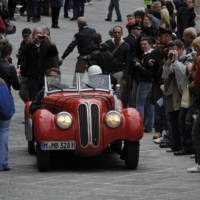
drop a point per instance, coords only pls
(121, 57)
(132, 41)
(9, 75)
(36, 60)
(145, 72)
(82, 40)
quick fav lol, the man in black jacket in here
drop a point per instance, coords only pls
(38, 57)
(82, 40)
(120, 51)
(121, 57)
(133, 40)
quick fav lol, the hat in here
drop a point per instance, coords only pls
(165, 31)
(26, 32)
(94, 69)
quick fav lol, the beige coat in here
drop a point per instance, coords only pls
(172, 94)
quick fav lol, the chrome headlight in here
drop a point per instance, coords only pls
(113, 119)
(64, 120)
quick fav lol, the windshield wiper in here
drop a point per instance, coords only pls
(90, 86)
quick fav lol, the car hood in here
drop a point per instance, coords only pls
(67, 102)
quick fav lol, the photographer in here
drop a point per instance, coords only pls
(37, 59)
(175, 70)
(145, 73)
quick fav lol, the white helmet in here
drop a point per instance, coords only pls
(94, 69)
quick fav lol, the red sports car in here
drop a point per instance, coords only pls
(81, 114)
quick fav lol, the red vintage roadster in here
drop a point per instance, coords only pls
(81, 114)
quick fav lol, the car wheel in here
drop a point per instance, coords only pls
(31, 147)
(43, 159)
(132, 154)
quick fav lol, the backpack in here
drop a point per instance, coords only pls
(7, 107)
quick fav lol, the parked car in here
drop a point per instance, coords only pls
(82, 114)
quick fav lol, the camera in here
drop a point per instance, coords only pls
(170, 56)
(41, 37)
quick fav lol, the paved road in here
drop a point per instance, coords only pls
(160, 175)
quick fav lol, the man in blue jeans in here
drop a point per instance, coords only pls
(114, 4)
(6, 112)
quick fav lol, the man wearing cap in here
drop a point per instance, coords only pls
(134, 32)
(133, 40)
(165, 37)
(165, 40)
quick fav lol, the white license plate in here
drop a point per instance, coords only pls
(57, 145)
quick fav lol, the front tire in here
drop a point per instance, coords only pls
(43, 159)
(132, 154)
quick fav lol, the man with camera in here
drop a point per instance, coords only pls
(38, 57)
(176, 67)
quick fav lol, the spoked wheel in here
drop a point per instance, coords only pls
(31, 147)
(43, 159)
(132, 154)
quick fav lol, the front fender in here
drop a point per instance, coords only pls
(45, 128)
(133, 124)
(131, 128)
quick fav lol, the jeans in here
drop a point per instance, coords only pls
(142, 93)
(149, 116)
(114, 4)
(4, 130)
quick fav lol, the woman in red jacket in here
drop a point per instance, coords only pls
(196, 126)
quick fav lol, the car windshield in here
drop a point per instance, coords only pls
(94, 82)
(77, 82)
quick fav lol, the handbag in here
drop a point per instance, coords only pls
(185, 100)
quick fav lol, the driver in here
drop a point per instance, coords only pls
(53, 76)
(95, 78)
